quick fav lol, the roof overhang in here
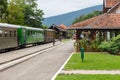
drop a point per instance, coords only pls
(77, 28)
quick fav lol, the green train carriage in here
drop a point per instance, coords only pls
(30, 35)
(15, 36)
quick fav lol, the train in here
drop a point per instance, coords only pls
(16, 36)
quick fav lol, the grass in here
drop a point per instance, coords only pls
(87, 77)
(94, 61)
(65, 40)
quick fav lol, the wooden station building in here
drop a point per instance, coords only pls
(60, 31)
(105, 26)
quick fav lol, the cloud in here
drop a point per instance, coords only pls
(56, 7)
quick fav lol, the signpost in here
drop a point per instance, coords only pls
(82, 54)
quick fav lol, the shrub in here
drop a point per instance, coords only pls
(112, 46)
(104, 46)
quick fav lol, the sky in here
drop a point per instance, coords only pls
(57, 7)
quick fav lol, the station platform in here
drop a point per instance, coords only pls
(16, 54)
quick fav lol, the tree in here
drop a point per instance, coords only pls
(15, 12)
(87, 16)
(3, 10)
(21, 12)
(32, 15)
(44, 27)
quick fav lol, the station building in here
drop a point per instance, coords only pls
(104, 26)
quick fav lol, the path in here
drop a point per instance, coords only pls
(90, 72)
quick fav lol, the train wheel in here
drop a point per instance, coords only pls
(22, 46)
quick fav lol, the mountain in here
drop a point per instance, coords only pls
(68, 18)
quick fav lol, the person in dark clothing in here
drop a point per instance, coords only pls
(53, 42)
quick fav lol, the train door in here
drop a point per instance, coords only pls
(24, 35)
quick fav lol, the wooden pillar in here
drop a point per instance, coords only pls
(100, 36)
(93, 35)
(111, 34)
(116, 32)
(105, 35)
(102, 33)
(78, 33)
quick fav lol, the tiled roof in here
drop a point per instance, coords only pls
(111, 3)
(63, 26)
(84, 23)
(109, 21)
(60, 29)
(105, 21)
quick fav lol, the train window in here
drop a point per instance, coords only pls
(6, 33)
(15, 33)
(35, 33)
(31, 32)
(1, 32)
(24, 32)
(10, 33)
(28, 33)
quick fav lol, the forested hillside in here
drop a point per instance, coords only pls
(68, 18)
